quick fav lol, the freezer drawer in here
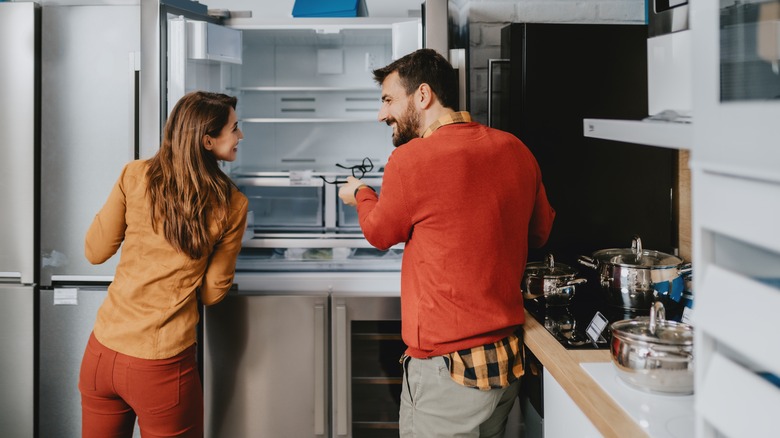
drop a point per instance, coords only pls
(17, 360)
(265, 366)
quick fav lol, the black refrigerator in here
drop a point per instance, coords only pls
(604, 192)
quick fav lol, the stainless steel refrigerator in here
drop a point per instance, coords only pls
(20, 148)
(104, 71)
(89, 80)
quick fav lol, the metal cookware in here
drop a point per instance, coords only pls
(633, 278)
(556, 282)
(653, 354)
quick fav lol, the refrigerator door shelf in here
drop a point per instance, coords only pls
(211, 42)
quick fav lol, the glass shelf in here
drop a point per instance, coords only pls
(317, 89)
(306, 120)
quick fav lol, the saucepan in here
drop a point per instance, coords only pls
(555, 282)
(633, 278)
(654, 354)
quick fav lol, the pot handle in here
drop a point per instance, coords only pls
(550, 261)
(676, 356)
(571, 283)
(685, 268)
(657, 314)
(636, 245)
(588, 261)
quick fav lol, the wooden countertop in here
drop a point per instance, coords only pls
(564, 365)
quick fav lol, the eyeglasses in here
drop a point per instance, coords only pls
(361, 169)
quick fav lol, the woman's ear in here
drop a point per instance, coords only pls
(208, 142)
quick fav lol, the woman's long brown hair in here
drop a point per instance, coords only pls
(186, 187)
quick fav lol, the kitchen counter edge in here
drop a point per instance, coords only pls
(564, 365)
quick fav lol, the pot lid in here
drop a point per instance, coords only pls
(637, 256)
(666, 332)
(549, 269)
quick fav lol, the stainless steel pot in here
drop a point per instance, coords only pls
(653, 354)
(633, 278)
(556, 282)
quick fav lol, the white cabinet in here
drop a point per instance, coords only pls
(562, 417)
(736, 212)
(735, 166)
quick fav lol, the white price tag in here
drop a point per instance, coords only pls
(596, 327)
(687, 316)
(300, 177)
(66, 297)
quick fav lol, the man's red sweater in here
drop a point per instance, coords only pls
(468, 200)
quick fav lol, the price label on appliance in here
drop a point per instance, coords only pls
(66, 296)
(596, 327)
(300, 177)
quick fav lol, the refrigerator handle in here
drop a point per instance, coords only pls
(458, 61)
(341, 370)
(134, 99)
(491, 63)
(319, 370)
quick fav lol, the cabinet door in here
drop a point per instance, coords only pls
(562, 417)
(264, 366)
(366, 374)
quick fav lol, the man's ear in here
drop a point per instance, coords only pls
(208, 142)
(424, 96)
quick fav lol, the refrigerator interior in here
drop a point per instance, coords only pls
(604, 192)
(307, 99)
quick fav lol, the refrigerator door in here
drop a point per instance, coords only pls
(17, 364)
(604, 192)
(19, 123)
(67, 315)
(197, 55)
(88, 125)
(265, 365)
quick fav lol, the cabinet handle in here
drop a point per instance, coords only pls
(492, 62)
(341, 370)
(319, 370)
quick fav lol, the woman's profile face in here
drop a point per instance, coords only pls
(225, 146)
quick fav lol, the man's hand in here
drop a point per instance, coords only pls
(347, 191)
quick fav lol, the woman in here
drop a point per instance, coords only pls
(179, 220)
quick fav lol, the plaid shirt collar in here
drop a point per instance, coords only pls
(448, 119)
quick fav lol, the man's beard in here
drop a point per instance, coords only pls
(407, 127)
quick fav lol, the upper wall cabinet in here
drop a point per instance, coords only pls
(737, 87)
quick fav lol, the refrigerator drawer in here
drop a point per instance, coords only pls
(286, 208)
(347, 215)
(16, 361)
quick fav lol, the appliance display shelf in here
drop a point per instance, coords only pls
(307, 120)
(671, 135)
(302, 88)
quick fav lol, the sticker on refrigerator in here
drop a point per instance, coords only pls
(66, 296)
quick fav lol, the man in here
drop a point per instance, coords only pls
(468, 201)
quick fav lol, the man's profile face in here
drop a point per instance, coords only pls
(398, 110)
